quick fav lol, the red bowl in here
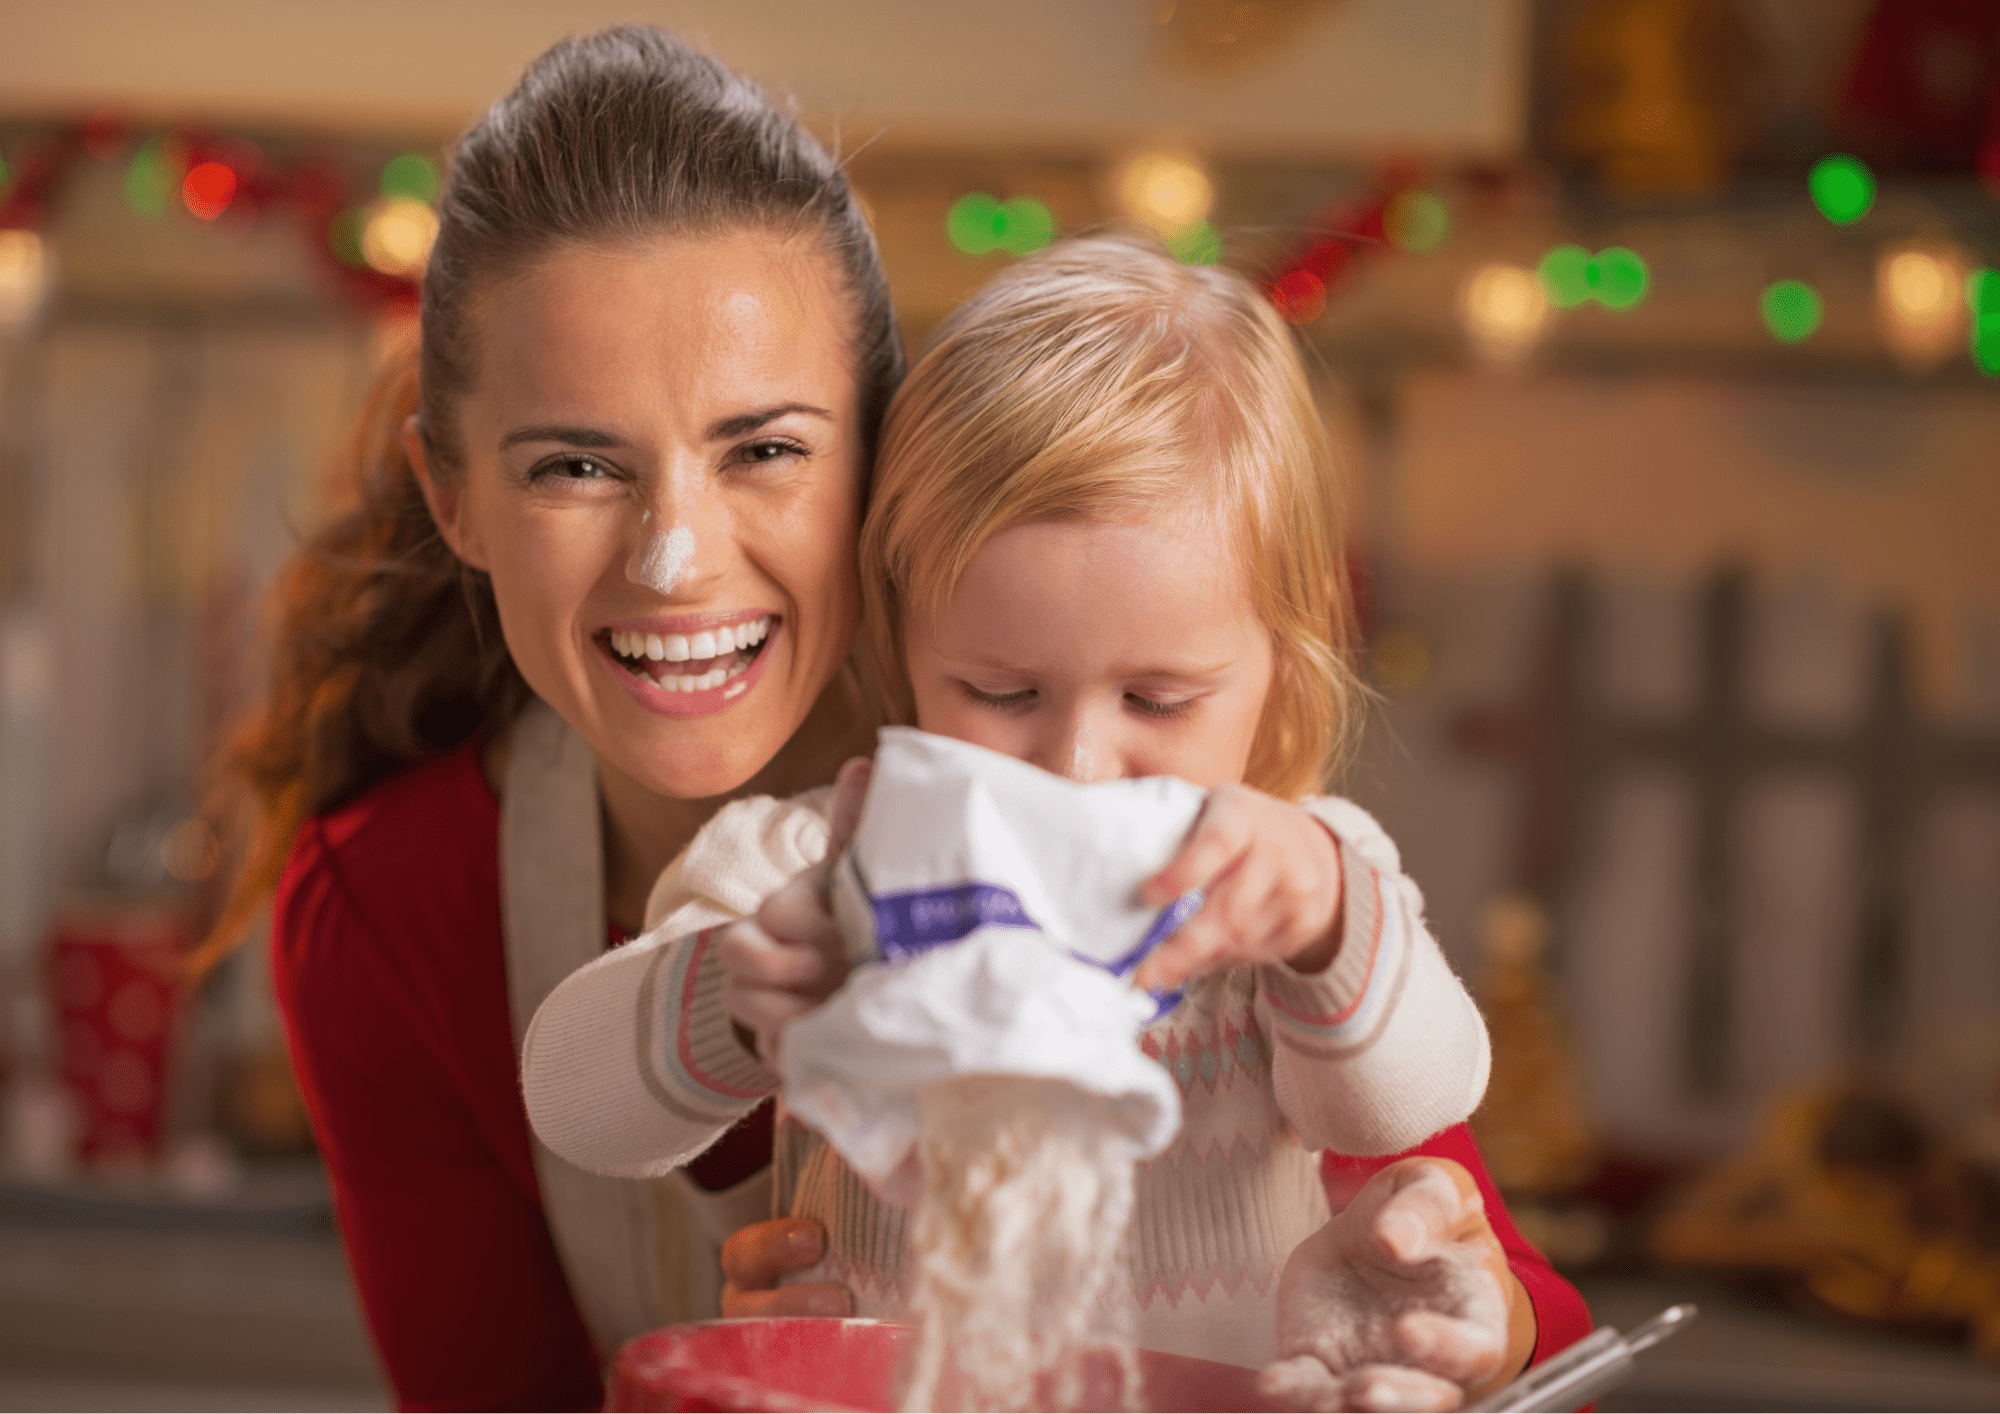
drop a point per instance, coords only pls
(819, 1362)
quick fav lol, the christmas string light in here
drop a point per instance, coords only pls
(1982, 302)
(1842, 187)
(1792, 311)
(1616, 277)
(980, 224)
(1918, 306)
(212, 176)
(1326, 258)
(1416, 221)
(208, 189)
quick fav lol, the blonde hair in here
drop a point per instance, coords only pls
(1103, 380)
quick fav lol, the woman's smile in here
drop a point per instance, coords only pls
(691, 664)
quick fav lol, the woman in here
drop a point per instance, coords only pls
(601, 579)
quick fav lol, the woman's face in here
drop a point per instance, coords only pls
(662, 476)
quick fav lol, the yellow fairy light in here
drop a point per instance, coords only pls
(1505, 311)
(23, 277)
(1917, 303)
(397, 239)
(1168, 191)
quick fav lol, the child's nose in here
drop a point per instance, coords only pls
(1083, 753)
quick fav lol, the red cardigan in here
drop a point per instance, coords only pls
(390, 970)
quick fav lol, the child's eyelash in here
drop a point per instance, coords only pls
(997, 699)
(1162, 710)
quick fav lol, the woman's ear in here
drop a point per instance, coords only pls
(445, 499)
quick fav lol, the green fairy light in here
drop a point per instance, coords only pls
(1618, 277)
(1565, 275)
(410, 177)
(1196, 243)
(1792, 310)
(150, 179)
(974, 223)
(979, 224)
(1982, 302)
(1417, 221)
(1615, 277)
(1027, 226)
(343, 236)
(1842, 188)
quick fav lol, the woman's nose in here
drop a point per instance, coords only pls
(673, 545)
(664, 559)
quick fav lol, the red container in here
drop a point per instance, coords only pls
(818, 1362)
(114, 980)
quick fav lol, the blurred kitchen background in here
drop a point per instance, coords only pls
(1662, 338)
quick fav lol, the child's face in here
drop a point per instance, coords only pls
(1100, 652)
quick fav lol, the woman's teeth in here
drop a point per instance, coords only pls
(714, 651)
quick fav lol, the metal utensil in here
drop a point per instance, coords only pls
(1598, 1362)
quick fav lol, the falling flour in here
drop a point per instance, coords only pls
(1018, 1246)
(666, 560)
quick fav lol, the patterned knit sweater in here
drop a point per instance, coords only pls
(632, 1067)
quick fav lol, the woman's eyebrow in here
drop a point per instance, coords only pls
(744, 422)
(561, 432)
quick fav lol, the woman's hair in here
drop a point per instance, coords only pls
(388, 646)
(1103, 380)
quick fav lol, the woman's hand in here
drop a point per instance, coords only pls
(754, 1259)
(1272, 877)
(1403, 1301)
(788, 959)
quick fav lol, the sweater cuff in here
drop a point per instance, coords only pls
(1343, 1005)
(706, 1057)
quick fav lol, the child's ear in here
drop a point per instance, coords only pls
(446, 499)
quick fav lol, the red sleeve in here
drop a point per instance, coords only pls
(396, 1012)
(1561, 1318)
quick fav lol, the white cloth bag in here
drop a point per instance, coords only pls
(992, 918)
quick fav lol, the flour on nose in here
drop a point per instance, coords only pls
(1082, 760)
(666, 560)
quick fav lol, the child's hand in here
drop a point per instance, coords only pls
(1403, 1301)
(788, 958)
(1273, 880)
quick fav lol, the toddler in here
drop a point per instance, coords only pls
(1103, 538)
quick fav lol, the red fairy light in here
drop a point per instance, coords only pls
(1299, 295)
(209, 188)
(1369, 226)
(1327, 261)
(104, 134)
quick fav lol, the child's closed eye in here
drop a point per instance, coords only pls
(999, 701)
(1156, 707)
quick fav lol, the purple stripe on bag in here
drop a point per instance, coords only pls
(917, 921)
(910, 923)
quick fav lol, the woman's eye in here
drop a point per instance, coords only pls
(1153, 707)
(570, 468)
(999, 700)
(770, 450)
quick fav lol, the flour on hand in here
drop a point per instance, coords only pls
(1383, 1308)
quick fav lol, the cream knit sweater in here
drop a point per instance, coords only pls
(631, 1067)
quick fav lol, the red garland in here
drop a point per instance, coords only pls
(1337, 238)
(314, 191)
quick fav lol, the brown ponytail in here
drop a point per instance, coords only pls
(389, 647)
